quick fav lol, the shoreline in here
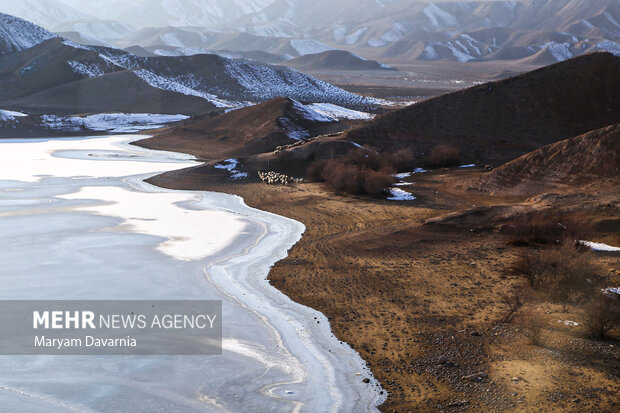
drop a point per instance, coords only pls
(256, 276)
(420, 303)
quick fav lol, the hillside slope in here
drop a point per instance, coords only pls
(591, 158)
(499, 121)
(59, 77)
(248, 131)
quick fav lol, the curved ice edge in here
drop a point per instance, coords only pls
(291, 322)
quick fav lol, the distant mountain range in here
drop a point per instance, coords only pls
(41, 73)
(392, 31)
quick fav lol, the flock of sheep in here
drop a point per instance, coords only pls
(275, 178)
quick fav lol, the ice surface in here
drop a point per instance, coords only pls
(78, 221)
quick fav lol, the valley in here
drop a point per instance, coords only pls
(404, 206)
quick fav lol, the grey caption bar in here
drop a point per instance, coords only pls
(117, 327)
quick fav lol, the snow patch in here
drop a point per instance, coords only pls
(230, 165)
(111, 122)
(609, 46)
(460, 56)
(439, 17)
(430, 53)
(398, 194)
(75, 45)
(355, 36)
(85, 69)
(470, 165)
(599, 246)
(264, 82)
(559, 51)
(568, 323)
(611, 19)
(309, 46)
(311, 114)
(338, 112)
(7, 115)
(174, 85)
(293, 130)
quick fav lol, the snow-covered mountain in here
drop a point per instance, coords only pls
(46, 13)
(229, 82)
(178, 13)
(48, 72)
(17, 34)
(390, 31)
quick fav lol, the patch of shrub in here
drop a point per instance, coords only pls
(401, 160)
(351, 179)
(365, 159)
(513, 300)
(375, 182)
(359, 171)
(602, 314)
(343, 177)
(545, 227)
(561, 273)
(315, 170)
(443, 156)
(530, 326)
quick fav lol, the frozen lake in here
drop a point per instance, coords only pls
(78, 222)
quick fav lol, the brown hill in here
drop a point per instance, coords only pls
(113, 92)
(590, 158)
(244, 132)
(499, 121)
(53, 77)
(335, 60)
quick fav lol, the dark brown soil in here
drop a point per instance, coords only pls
(590, 158)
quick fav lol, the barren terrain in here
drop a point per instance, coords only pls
(422, 303)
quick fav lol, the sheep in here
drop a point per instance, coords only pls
(274, 178)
